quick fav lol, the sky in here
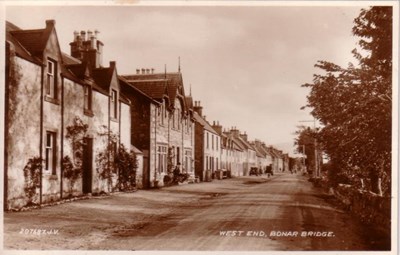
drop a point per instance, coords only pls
(246, 64)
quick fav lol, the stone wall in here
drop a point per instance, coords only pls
(369, 207)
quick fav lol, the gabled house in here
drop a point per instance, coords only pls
(207, 146)
(52, 101)
(261, 155)
(164, 124)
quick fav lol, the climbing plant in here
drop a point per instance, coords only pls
(71, 172)
(32, 177)
(126, 162)
(72, 168)
(105, 159)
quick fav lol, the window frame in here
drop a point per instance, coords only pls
(114, 104)
(50, 164)
(51, 86)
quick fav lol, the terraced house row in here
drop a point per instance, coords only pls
(72, 111)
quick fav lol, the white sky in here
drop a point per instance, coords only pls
(245, 64)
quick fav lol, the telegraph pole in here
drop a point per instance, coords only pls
(316, 167)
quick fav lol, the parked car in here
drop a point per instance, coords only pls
(253, 171)
(269, 170)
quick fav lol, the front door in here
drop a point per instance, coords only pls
(87, 165)
(146, 172)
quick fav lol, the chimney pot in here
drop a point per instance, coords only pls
(112, 64)
(143, 71)
(83, 35)
(147, 71)
(50, 22)
(76, 34)
(137, 71)
(152, 70)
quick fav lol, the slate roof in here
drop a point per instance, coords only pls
(155, 89)
(189, 102)
(20, 50)
(69, 60)
(33, 40)
(172, 83)
(204, 123)
(102, 76)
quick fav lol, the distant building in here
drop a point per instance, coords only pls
(164, 123)
(207, 146)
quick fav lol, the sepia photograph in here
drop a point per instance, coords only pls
(199, 126)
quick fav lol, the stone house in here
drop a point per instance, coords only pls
(164, 124)
(207, 146)
(261, 155)
(48, 94)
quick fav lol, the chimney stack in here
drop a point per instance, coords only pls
(76, 35)
(137, 71)
(147, 71)
(217, 127)
(152, 70)
(244, 136)
(50, 23)
(83, 35)
(198, 108)
(143, 71)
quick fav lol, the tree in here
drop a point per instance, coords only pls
(354, 103)
(306, 139)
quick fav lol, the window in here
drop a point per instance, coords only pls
(217, 145)
(173, 119)
(207, 163)
(212, 142)
(188, 159)
(114, 104)
(162, 114)
(162, 158)
(51, 83)
(88, 98)
(207, 141)
(50, 157)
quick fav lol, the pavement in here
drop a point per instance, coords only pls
(281, 213)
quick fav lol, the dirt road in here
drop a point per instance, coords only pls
(249, 213)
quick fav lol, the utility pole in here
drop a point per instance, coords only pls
(316, 167)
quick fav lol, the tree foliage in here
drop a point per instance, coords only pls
(354, 104)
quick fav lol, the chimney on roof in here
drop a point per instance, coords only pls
(147, 71)
(112, 64)
(217, 127)
(152, 70)
(137, 71)
(93, 40)
(50, 23)
(87, 49)
(235, 132)
(244, 136)
(83, 35)
(143, 71)
(198, 108)
(76, 35)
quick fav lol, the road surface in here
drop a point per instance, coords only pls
(241, 214)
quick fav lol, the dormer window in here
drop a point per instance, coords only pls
(51, 82)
